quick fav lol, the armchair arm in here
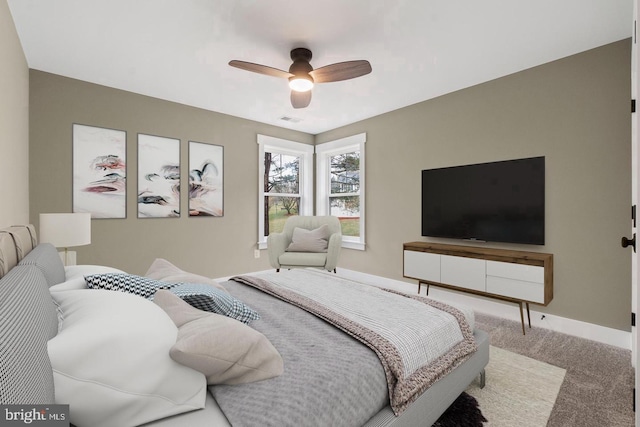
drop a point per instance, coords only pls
(333, 251)
(276, 245)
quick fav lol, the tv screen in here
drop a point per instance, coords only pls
(494, 202)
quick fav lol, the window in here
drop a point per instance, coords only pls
(286, 183)
(340, 186)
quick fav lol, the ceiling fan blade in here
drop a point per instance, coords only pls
(300, 99)
(260, 69)
(341, 71)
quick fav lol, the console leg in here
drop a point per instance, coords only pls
(528, 315)
(522, 317)
(483, 378)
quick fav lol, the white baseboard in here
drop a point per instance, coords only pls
(505, 310)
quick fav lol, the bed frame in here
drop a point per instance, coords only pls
(26, 307)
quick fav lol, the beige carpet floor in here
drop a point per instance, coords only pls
(597, 390)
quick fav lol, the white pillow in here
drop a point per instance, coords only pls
(111, 361)
(72, 271)
(74, 276)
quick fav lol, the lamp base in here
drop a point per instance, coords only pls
(68, 257)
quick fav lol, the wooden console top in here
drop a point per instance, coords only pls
(491, 254)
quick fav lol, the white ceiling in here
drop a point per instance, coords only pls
(178, 50)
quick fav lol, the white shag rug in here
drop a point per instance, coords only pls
(519, 391)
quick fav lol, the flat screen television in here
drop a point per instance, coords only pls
(494, 202)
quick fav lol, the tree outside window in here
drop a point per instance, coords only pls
(281, 190)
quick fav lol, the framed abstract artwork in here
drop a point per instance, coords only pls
(206, 179)
(99, 171)
(158, 177)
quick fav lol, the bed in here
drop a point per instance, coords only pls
(107, 353)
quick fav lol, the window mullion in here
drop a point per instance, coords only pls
(282, 194)
(344, 194)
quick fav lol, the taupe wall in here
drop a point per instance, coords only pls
(14, 124)
(212, 246)
(575, 112)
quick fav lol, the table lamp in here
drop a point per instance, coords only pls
(64, 230)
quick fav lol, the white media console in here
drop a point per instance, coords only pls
(508, 275)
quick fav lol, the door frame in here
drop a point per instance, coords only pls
(635, 196)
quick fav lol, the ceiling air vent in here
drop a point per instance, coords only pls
(291, 119)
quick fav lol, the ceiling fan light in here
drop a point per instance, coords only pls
(301, 83)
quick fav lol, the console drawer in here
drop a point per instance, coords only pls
(516, 289)
(527, 273)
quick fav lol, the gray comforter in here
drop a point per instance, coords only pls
(314, 353)
(418, 340)
(329, 378)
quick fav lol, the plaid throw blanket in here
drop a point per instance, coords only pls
(418, 340)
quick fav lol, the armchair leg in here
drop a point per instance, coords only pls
(277, 270)
(335, 271)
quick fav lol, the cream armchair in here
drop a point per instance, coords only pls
(301, 243)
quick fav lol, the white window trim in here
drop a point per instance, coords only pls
(305, 152)
(323, 153)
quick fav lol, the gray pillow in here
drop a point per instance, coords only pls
(161, 269)
(309, 240)
(225, 350)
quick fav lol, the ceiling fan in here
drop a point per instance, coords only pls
(302, 76)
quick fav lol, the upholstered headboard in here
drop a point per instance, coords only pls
(29, 317)
(15, 243)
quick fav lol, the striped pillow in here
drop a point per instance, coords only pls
(202, 296)
(137, 285)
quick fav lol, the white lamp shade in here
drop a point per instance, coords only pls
(64, 230)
